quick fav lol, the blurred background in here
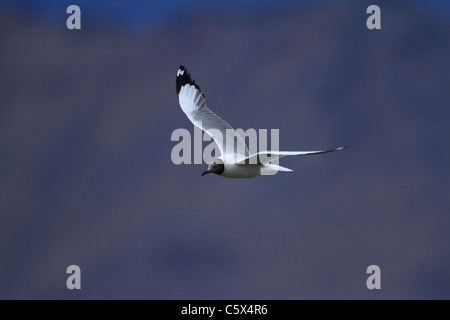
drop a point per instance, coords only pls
(86, 176)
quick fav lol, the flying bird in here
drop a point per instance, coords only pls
(235, 160)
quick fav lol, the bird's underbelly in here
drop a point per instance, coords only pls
(241, 171)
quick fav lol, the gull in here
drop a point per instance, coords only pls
(235, 160)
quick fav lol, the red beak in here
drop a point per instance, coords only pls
(205, 172)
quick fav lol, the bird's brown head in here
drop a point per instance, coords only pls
(216, 167)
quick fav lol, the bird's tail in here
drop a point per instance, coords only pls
(271, 169)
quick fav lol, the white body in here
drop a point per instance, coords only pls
(241, 170)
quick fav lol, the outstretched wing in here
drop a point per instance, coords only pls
(193, 103)
(265, 157)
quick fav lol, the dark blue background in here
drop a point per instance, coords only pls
(86, 175)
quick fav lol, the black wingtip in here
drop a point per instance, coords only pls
(183, 78)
